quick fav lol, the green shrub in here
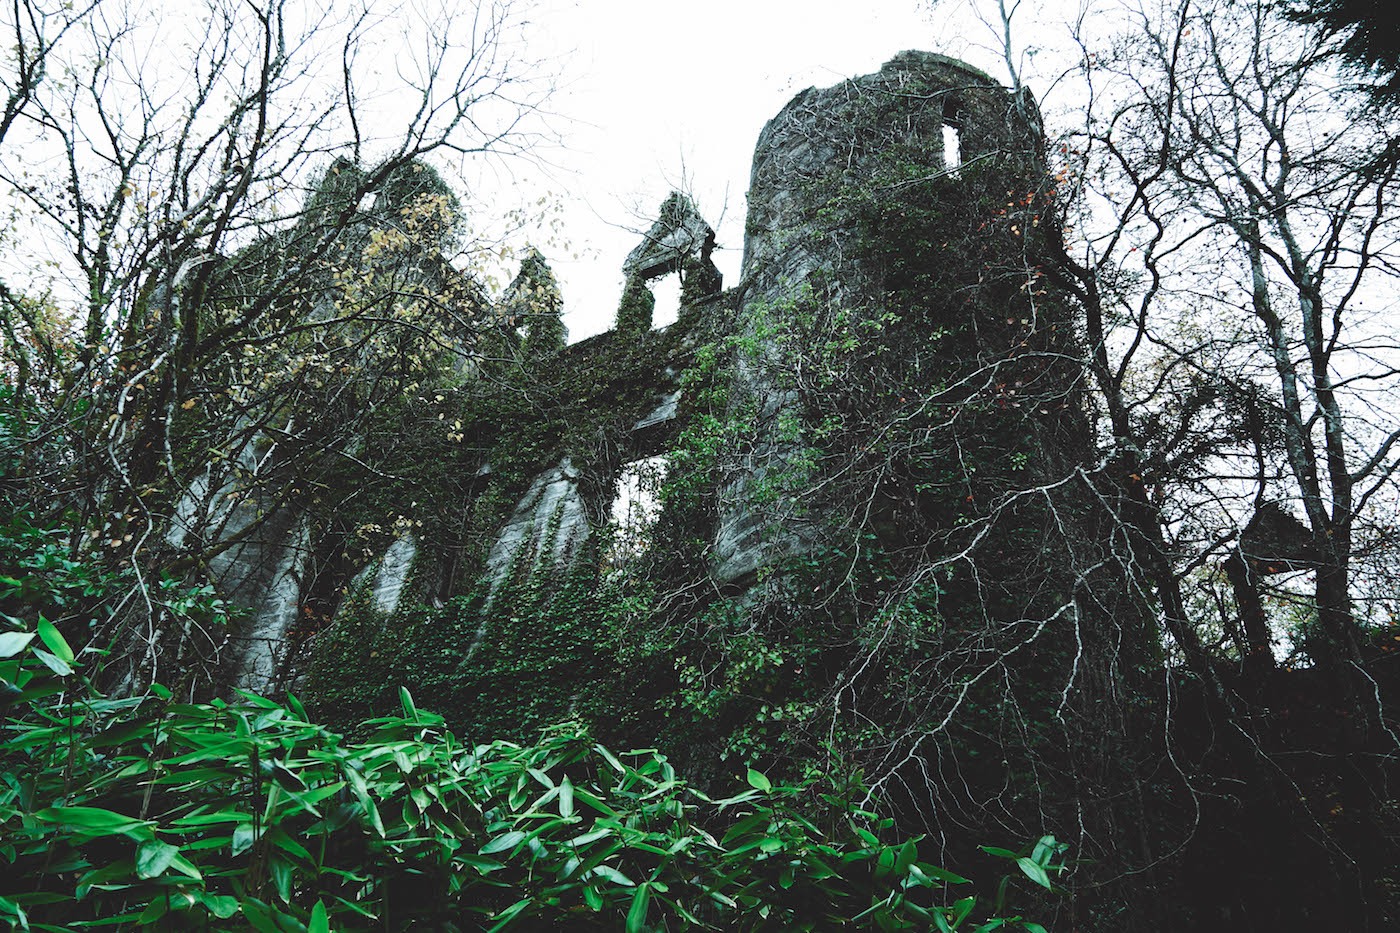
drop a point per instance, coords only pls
(151, 813)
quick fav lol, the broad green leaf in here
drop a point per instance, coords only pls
(295, 706)
(884, 865)
(481, 864)
(566, 797)
(97, 822)
(504, 918)
(153, 857)
(941, 874)
(56, 643)
(961, 908)
(12, 643)
(9, 908)
(278, 837)
(1034, 872)
(420, 798)
(907, 854)
(53, 662)
(759, 781)
(243, 839)
(153, 912)
(501, 843)
(593, 835)
(320, 920)
(354, 907)
(210, 819)
(186, 867)
(610, 758)
(594, 801)
(281, 871)
(221, 749)
(613, 875)
(747, 825)
(263, 918)
(637, 915)
(283, 775)
(116, 876)
(220, 905)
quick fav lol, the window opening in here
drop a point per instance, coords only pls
(952, 134)
(667, 291)
(952, 147)
(636, 506)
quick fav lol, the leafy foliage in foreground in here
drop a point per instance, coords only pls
(150, 813)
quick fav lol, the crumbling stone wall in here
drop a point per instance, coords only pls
(889, 399)
(802, 245)
(808, 255)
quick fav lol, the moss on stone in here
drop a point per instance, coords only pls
(634, 311)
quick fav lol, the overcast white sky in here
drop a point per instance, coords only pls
(664, 94)
(652, 95)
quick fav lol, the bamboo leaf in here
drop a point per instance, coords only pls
(12, 643)
(637, 915)
(96, 821)
(153, 857)
(56, 643)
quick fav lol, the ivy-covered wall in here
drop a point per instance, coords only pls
(506, 635)
(880, 544)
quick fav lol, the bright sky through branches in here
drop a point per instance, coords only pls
(659, 95)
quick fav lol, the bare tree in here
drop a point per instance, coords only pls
(1228, 199)
(248, 249)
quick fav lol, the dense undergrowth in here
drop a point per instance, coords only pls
(149, 812)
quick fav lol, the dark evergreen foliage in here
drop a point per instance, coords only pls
(1367, 33)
